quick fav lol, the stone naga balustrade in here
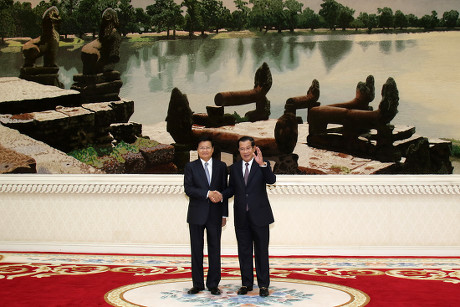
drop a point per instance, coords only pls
(304, 102)
(262, 84)
(354, 119)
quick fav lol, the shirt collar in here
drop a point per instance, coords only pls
(209, 162)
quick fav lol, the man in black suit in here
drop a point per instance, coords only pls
(253, 214)
(204, 179)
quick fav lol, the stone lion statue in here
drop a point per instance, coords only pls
(102, 53)
(45, 45)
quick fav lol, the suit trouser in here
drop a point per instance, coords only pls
(213, 233)
(253, 238)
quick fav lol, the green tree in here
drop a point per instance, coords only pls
(345, 17)
(276, 15)
(6, 4)
(293, 10)
(400, 20)
(308, 19)
(213, 15)
(225, 17)
(164, 15)
(26, 21)
(142, 19)
(434, 19)
(126, 17)
(330, 10)
(259, 15)
(193, 17)
(412, 20)
(89, 15)
(385, 17)
(369, 20)
(450, 18)
(69, 22)
(7, 25)
(429, 22)
(357, 24)
(240, 15)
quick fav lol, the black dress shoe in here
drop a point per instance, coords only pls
(244, 290)
(194, 290)
(215, 291)
(263, 292)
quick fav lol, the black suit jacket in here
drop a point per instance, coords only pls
(196, 187)
(254, 194)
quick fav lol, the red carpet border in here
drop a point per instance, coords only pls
(57, 279)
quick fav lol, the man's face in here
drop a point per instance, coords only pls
(246, 150)
(205, 150)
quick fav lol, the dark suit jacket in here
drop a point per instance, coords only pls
(254, 194)
(196, 187)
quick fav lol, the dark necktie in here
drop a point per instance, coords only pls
(246, 174)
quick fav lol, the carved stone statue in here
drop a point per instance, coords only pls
(307, 101)
(262, 84)
(102, 53)
(286, 133)
(365, 93)
(45, 45)
(356, 124)
(99, 81)
(354, 119)
(179, 118)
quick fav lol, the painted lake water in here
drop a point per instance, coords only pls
(425, 67)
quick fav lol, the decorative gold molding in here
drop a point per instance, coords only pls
(286, 184)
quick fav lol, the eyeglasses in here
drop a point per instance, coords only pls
(204, 148)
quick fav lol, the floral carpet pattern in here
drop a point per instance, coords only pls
(143, 280)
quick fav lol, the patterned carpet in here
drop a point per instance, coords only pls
(162, 280)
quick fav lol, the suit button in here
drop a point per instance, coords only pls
(247, 195)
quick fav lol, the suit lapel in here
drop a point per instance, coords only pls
(214, 171)
(252, 171)
(239, 171)
(201, 171)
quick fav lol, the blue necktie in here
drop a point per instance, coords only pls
(207, 172)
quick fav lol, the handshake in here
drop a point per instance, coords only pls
(215, 196)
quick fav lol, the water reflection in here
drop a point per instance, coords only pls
(334, 51)
(240, 52)
(201, 68)
(366, 44)
(385, 46)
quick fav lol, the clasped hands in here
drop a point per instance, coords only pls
(215, 196)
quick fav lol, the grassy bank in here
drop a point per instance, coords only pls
(139, 40)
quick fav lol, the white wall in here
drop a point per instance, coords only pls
(320, 215)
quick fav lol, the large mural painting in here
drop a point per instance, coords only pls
(365, 99)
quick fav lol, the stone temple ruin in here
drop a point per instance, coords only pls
(55, 121)
(36, 112)
(350, 128)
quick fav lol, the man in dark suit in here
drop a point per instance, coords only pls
(204, 178)
(253, 214)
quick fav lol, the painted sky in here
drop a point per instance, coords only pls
(416, 7)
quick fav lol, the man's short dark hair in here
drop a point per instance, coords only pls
(247, 138)
(205, 138)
